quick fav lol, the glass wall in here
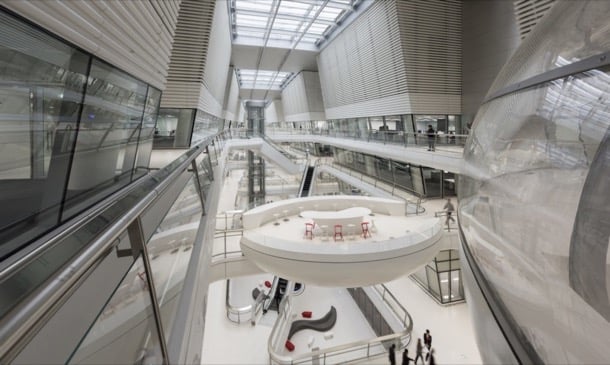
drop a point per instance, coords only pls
(418, 180)
(73, 130)
(206, 125)
(442, 278)
(174, 128)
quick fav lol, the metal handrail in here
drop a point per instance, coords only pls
(354, 346)
(233, 310)
(404, 315)
(22, 322)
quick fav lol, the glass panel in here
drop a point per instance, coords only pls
(292, 18)
(170, 250)
(94, 291)
(105, 146)
(174, 128)
(206, 174)
(125, 331)
(417, 178)
(448, 184)
(433, 283)
(32, 275)
(205, 125)
(383, 168)
(457, 290)
(41, 87)
(444, 280)
(443, 255)
(149, 121)
(432, 178)
(402, 175)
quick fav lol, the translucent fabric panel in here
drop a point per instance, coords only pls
(570, 32)
(534, 210)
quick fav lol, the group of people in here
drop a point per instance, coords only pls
(419, 351)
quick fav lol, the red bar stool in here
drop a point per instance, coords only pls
(365, 229)
(309, 230)
(338, 232)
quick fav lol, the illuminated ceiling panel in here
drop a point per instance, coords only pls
(288, 23)
(264, 80)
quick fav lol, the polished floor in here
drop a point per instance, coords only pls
(226, 342)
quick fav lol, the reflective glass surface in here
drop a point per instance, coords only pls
(41, 87)
(73, 129)
(146, 135)
(170, 249)
(174, 128)
(125, 331)
(107, 138)
(534, 205)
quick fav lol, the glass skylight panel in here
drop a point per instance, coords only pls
(251, 79)
(294, 19)
(254, 5)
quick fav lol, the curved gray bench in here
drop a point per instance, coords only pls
(322, 325)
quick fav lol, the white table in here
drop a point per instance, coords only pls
(343, 217)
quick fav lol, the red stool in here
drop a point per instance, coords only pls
(338, 232)
(289, 346)
(309, 230)
(306, 314)
(365, 229)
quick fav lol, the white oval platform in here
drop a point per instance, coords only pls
(399, 246)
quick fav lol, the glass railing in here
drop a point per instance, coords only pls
(447, 142)
(414, 202)
(105, 273)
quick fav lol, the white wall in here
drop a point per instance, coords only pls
(302, 98)
(274, 112)
(231, 108)
(134, 36)
(398, 57)
(211, 99)
(199, 66)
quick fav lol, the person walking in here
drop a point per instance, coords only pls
(406, 360)
(418, 352)
(449, 208)
(428, 339)
(392, 354)
(431, 137)
(427, 342)
(432, 358)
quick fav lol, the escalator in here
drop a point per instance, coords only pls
(307, 180)
(278, 290)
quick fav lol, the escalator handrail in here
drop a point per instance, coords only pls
(23, 321)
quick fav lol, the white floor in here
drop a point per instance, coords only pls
(226, 342)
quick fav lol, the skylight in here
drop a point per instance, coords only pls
(297, 23)
(265, 80)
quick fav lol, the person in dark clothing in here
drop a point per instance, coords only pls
(432, 358)
(431, 137)
(406, 360)
(427, 335)
(392, 354)
(418, 352)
